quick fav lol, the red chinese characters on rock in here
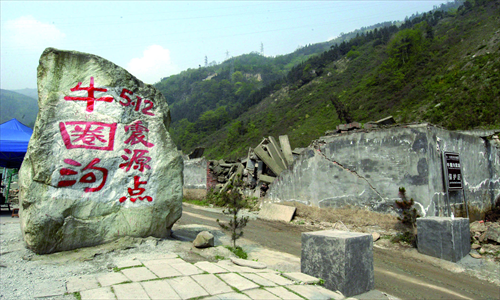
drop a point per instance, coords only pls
(90, 95)
(88, 177)
(148, 104)
(137, 191)
(137, 134)
(136, 159)
(88, 135)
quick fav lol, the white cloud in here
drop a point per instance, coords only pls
(26, 33)
(153, 65)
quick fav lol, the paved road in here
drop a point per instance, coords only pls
(397, 274)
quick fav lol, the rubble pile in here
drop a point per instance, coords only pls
(259, 169)
(485, 238)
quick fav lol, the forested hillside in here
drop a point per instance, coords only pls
(440, 67)
(15, 105)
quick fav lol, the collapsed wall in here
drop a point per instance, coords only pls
(366, 169)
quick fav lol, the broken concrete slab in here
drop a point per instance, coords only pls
(266, 178)
(276, 212)
(268, 160)
(286, 149)
(275, 149)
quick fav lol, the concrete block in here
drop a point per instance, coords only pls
(344, 260)
(212, 284)
(238, 281)
(259, 294)
(130, 291)
(287, 150)
(103, 293)
(139, 274)
(443, 237)
(186, 287)
(159, 290)
(271, 211)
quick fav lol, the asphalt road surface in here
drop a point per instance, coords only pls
(397, 274)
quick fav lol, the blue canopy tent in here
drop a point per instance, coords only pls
(14, 139)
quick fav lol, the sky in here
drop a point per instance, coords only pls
(156, 39)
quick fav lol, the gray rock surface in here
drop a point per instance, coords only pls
(100, 164)
(493, 232)
(204, 239)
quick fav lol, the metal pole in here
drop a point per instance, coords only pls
(445, 182)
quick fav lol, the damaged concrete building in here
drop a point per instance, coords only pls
(366, 168)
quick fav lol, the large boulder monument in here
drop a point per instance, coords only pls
(100, 164)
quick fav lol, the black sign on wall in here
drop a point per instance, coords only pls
(453, 171)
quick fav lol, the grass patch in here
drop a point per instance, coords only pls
(238, 251)
(196, 202)
(218, 257)
(116, 269)
(77, 295)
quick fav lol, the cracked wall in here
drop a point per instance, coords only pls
(367, 168)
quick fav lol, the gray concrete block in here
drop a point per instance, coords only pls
(443, 237)
(344, 260)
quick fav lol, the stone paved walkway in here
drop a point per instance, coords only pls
(173, 278)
